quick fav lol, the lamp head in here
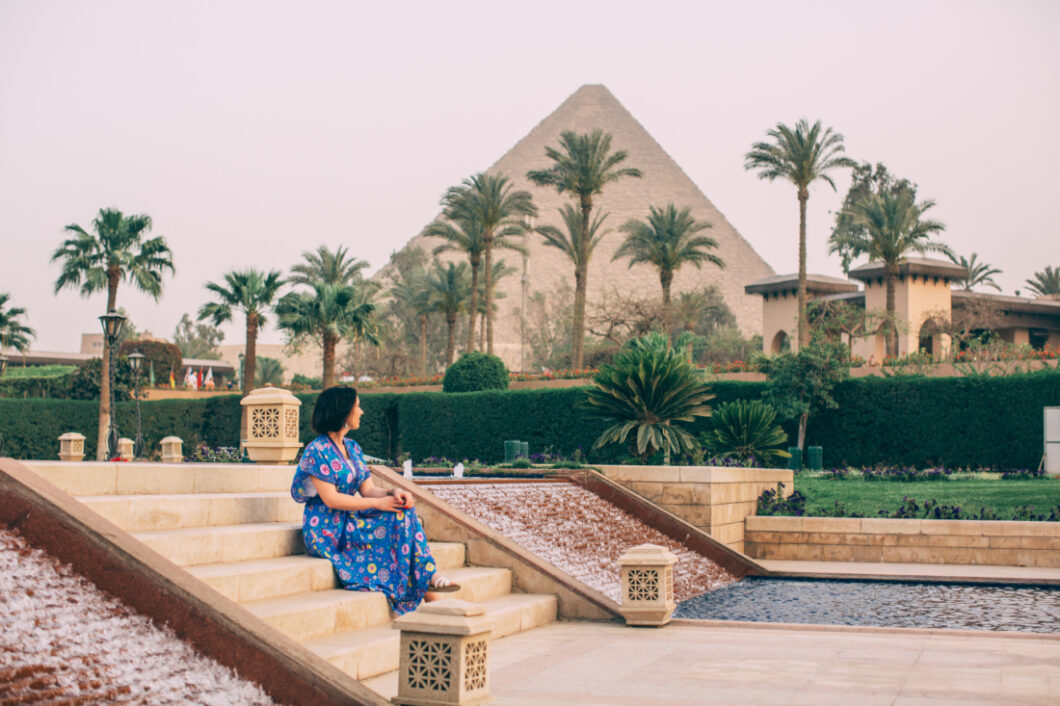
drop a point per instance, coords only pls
(136, 359)
(112, 324)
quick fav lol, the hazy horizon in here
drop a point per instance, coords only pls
(252, 132)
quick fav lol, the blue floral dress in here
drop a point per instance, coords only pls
(371, 550)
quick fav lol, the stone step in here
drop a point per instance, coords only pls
(226, 544)
(262, 579)
(163, 478)
(308, 615)
(137, 513)
(371, 651)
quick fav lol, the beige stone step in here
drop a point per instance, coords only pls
(136, 478)
(225, 544)
(371, 651)
(137, 513)
(262, 579)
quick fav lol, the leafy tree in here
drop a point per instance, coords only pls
(490, 201)
(666, 240)
(800, 384)
(117, 251)
(578, 244)
(893, 227)
(832, 319)
(692, 308)
(866, 179)
(13, 333)
(251, 292)
(645, 391)
(412, 291)
(327, 313)
(450, 287)
(197, 340)
(269, 371)
(1045, 282)
(582, 166)
(746, 430)
(802, 156)
(979, 274)
(468, 237)
(327, 267)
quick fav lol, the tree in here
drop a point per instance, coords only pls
(466, 236)
(666, 240)
(645, 391)
(979, 274)
(327, 267)
(582, 166)
(747, 431)
(578, 244)
(802, 156)
(892, 227)
(866, 179)
(490, 201)
(197, 340)
(834, 318)
(450, 286)
(329, 313)
(414, 293)
(694, 308)
(13, 333)
(117, 251)
(799, 384)
(269, 372)
(1045, 282)
(251, 292)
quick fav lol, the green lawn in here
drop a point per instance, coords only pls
(970, 494)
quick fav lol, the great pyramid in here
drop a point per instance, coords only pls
(589, 108)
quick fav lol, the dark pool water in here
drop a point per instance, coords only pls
(881, 603)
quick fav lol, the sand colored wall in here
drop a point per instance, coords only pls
(779, 314)
(916, 300)
(716, 500)
(914, 541)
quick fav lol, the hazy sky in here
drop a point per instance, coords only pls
(253, 131)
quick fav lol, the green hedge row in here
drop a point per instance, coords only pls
(989, 422)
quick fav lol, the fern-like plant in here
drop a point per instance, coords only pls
(645, 392)
(746, 430)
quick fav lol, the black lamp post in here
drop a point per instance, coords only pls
(3, 369)
(136, 359)
(112, 324)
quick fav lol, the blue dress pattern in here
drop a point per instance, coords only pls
(371, 550)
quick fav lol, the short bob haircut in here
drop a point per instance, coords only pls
(333, 408)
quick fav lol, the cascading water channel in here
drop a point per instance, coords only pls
(577, 531)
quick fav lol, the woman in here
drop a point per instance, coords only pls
(372, 536)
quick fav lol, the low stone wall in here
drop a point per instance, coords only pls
(714, 499)
(905, 541)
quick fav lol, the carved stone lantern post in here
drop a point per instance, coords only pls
(647, 585)
(172, 450)
(71, 446)
(272, 425)
(444, 654)
(126, 449)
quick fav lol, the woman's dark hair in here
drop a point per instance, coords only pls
(333, 408)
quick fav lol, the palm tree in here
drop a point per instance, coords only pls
(978, 273)
(1045, 282)
(490, 201)
(466, 235)
(251, 292)
(450, 287)
(667, 240)
(893, 227)
(689, 310)
(269, 372)
(801, 156)
(13, 333)
(414, 293)
(577, 244)
(499, 271)
(582, 167)
(116, 251)
(327, 267)
(330, 312)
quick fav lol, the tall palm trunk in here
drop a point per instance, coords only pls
(473, 312)
(488, 285)
(329, 342)
(804, 329)
(250, 365)
(890, 273)
(423, 345)
(578, 329)
(113, 275)
(450, 344)
(666, 279)
(482, 331)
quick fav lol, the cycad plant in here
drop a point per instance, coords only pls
(746, 430)
(645, 392)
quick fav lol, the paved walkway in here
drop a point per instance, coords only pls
(936, 572)
(606, 663)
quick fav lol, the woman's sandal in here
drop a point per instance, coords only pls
(440, 584)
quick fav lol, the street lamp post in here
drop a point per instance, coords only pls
(112, 324)
(3, 369)
(136, 359)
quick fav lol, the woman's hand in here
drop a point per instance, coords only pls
(388, 503)
(406, 498)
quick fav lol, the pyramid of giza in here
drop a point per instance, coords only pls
(594, 107)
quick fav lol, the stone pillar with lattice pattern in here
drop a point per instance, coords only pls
(444, 654)
(172, 449)
(647, 585)
(272, 425)
(71, 446)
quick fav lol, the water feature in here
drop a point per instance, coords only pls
(881, 603)
(577, 531)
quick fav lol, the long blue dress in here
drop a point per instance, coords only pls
(371, 550)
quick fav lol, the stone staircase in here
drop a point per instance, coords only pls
(236, 528)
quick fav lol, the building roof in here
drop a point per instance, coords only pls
(57, 358)
(922, 266)
(815, 285)
(1015, 305)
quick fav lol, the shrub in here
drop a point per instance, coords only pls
(746, 430)
(474, 372)
(163, 355)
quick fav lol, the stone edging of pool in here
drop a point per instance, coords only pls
(867, 629)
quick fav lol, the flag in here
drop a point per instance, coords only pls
(189, 379)
(198, 380)
(172, 379)
(209, 378)
(151, 374)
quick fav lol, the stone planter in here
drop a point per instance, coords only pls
(272, 425)
(647, 585)
(71, 446)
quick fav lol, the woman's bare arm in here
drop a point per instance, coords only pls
(377, 500)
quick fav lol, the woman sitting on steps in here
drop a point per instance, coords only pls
(372, 537)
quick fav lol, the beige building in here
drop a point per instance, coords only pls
(925, 305)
